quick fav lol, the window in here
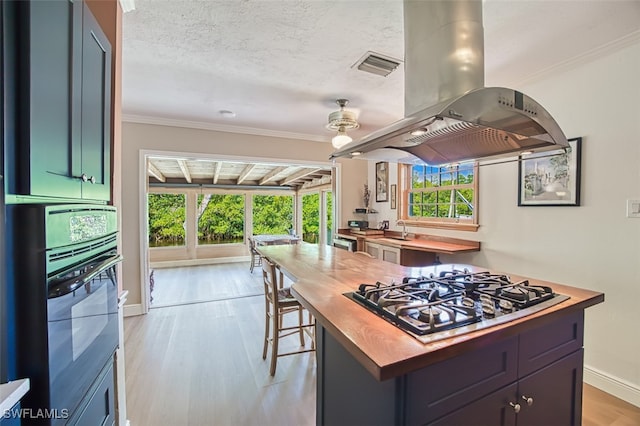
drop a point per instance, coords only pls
(311, 217)
(328, 200)
(440, 196)
(272, 214)
(166, 219)
(220, 218)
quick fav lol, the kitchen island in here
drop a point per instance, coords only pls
(371, 372)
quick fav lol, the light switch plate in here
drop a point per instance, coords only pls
(633, 208)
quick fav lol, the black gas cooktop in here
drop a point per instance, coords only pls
(453, 302)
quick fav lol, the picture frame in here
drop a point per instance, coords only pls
(551, 178)
(382, 181)
(393, 193)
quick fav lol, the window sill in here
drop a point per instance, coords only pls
(455, 226)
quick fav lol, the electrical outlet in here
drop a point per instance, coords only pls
(633, 208)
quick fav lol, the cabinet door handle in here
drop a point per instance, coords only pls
(83, 177)
(516, 407)
(528, 399)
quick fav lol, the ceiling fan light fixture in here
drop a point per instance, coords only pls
(342, 118)
(341, 139)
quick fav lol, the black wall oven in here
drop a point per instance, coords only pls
(65, 310)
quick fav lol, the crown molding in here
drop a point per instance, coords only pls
(598, 52)
(141, 119)
(127, 5)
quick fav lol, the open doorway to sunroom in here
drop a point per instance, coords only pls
(201, 214)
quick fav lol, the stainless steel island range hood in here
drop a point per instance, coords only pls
(450, 115)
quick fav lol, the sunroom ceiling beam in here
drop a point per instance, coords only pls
(298, 175)
(245, 173)
(185, 170)
(153, 171)
(272, 174)
(217, 166)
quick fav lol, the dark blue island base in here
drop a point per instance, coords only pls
(530, 378)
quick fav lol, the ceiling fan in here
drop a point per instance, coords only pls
(342, 121)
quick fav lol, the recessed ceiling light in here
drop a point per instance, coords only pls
(526, 152)
(226, 113)
(418, 132)
(356, 153)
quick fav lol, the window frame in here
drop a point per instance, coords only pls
(404, 188)
(293, 208)
(196, 219)
(148, 226)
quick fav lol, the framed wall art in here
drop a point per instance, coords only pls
(382, 181)
(550, 178)
(393, 193)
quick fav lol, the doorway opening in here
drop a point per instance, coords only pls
(195, 227)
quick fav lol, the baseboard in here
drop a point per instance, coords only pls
(198, 262)
(612, 385)
(132, 310)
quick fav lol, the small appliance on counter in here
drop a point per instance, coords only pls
(344, 244)
(358, 224)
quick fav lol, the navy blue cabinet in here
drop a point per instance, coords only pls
(62, 141)
(528, 379)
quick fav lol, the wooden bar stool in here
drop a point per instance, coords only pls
(256, 259)
(279, 302)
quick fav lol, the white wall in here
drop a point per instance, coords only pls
(137, 138)
(593, 246)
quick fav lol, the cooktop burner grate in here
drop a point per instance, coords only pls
(458, 299)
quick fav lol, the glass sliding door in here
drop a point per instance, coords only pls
(328, 204)
(311, 217)
(272, 214)
(317, 217)
(220, 219)
(166, 219)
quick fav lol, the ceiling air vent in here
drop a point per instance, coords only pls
(377, 63)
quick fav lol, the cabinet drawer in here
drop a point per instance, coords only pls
(492, 409)
(548, 343)
(390, 254)
(456, 381)
(100, 409)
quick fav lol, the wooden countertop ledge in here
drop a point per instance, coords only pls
(321, 275)
(420, 242)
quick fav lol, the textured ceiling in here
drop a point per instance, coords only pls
(280, 65)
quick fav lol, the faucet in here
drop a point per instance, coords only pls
(404, 228)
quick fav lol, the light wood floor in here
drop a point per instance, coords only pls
(201, 364)
(179, 286)
(600, 408)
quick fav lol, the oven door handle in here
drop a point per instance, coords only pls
(72, 284)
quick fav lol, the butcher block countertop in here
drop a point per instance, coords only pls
(419, 242)
(321, 275)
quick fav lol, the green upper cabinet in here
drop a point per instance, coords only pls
(62, 138)
(95, 109)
